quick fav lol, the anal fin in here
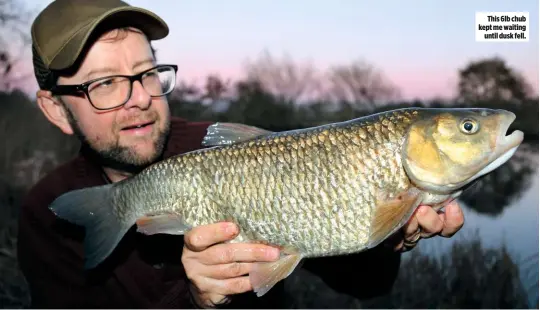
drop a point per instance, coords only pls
(162, 224)
(265, 275)
(391, 213)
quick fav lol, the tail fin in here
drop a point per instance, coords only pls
(92, 208)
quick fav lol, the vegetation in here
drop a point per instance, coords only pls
(467, 276)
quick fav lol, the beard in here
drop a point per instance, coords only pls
(116, 156)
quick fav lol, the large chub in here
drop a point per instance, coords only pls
(92, 209)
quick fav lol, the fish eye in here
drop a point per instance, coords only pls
(469, 126)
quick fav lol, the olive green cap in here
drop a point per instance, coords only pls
(62, 30)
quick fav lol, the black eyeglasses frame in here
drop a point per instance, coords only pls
(73, 89)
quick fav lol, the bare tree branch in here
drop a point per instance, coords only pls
(284, 78)
(355, 85)
(359, 84)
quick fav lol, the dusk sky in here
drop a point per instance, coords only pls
(419, 44)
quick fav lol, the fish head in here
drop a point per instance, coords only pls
(447, 149)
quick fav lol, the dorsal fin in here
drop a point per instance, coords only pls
(229, 133)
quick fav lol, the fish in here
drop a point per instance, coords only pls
(327, 190)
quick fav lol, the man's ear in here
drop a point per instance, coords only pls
(54, 111)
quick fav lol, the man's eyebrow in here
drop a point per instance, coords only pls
(100, 71)
(111, 71)
(143, 62)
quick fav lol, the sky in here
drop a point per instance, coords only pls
(419, 45)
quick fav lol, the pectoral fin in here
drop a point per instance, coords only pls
(391, 213)
(265, 275)
(162, 224)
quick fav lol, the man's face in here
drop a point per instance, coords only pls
(112, 134)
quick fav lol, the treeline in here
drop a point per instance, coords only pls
(279, 94)
(258, 108)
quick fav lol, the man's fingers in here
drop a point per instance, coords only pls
(226, 287)
(454, 220)
(430, 222)
(239, 252)
(412, 226)
(201, 237)
(226, 271)
(399, 246)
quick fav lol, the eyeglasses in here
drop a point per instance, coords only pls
(113, 91)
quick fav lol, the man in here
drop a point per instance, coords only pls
(99, 80)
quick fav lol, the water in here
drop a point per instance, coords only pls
(516, 226)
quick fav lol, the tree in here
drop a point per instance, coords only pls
(359, 85)
(492, 79)
(283, 78)
(14, 40)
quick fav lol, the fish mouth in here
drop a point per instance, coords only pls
(508, 142)
(505, 148)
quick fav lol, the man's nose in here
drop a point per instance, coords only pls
(139, 97)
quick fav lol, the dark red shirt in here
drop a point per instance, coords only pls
(146, 271)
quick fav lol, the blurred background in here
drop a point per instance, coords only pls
(284, 65)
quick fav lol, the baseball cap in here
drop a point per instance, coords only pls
(61, 31)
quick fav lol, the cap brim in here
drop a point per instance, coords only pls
(149, 23)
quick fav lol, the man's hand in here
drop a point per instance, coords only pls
(216, 269)
(426, 223)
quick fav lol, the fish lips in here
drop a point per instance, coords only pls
(507, 142)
